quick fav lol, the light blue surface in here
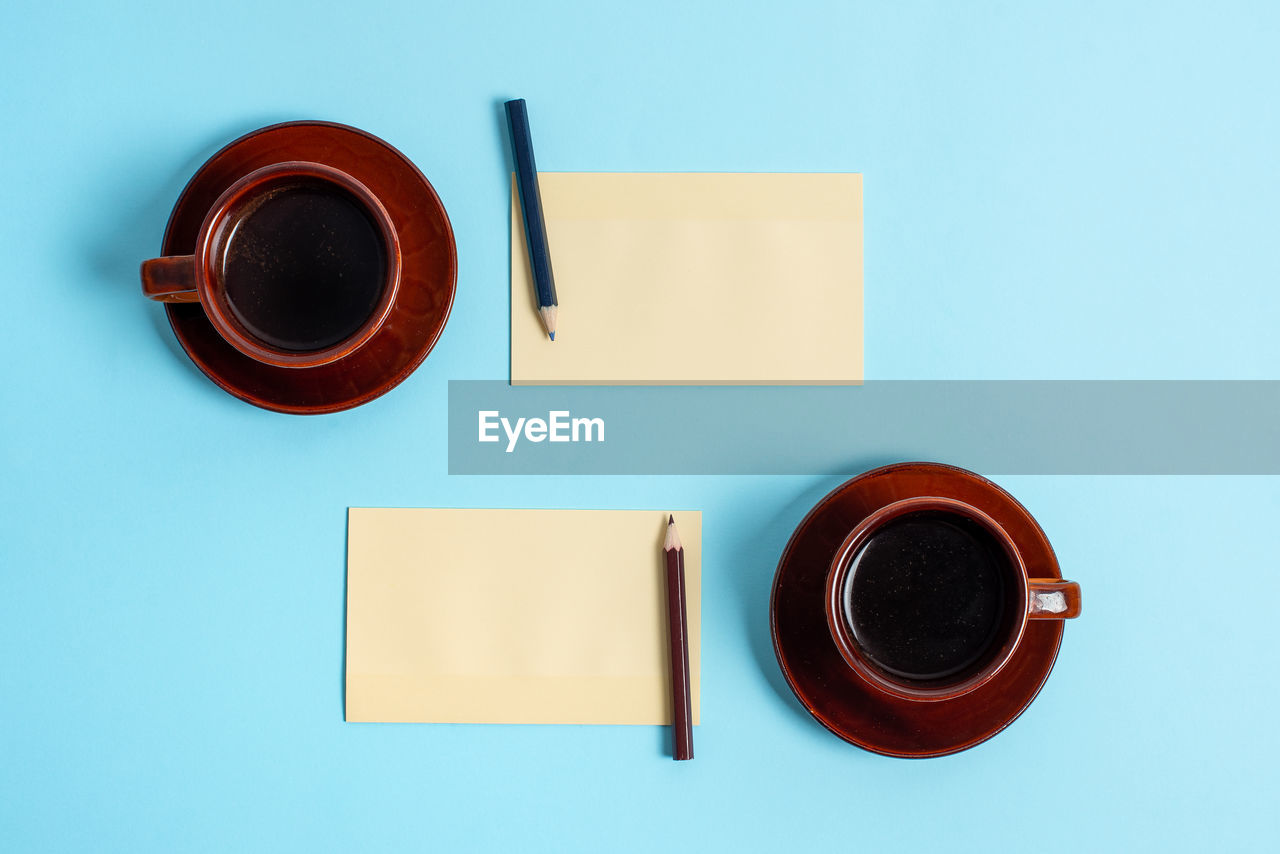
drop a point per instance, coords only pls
(1084, 190)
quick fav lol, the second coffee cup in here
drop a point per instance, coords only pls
(928, 598)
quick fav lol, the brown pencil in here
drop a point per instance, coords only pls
(682, 717)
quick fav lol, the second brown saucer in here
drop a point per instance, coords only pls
(847, 704)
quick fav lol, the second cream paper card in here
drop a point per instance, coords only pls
(514, 616)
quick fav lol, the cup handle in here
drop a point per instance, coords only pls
(170, 279)
(1052, 599)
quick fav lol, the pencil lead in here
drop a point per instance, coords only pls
(671, 520)
(553, 335)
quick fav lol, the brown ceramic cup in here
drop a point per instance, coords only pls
(928, 599)
(209, 276)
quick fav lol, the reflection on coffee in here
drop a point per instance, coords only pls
(926, 595)
(305, 268)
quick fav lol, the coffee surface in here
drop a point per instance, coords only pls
(926, 595)
(305, 268)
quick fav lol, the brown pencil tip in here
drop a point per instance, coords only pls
(673, 536)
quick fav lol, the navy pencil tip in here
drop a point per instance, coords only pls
(553, 335)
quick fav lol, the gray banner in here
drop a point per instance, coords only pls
(995, 427)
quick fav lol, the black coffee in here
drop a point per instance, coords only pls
(926, 595)
(305, 268)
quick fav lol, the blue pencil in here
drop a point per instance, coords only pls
(535, 228)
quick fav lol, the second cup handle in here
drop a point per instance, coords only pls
(1052, 599)
(170, 279)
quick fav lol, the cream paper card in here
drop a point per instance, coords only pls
(514, 616)
(694, 279)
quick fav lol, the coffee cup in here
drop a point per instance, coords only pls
(928, 598)
(297, 264)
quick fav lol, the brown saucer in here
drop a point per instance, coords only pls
(825, 684)
(427, 284)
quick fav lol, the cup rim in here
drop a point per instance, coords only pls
(211, 290)
(842, 633)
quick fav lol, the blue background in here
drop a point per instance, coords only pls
(1079, 190)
